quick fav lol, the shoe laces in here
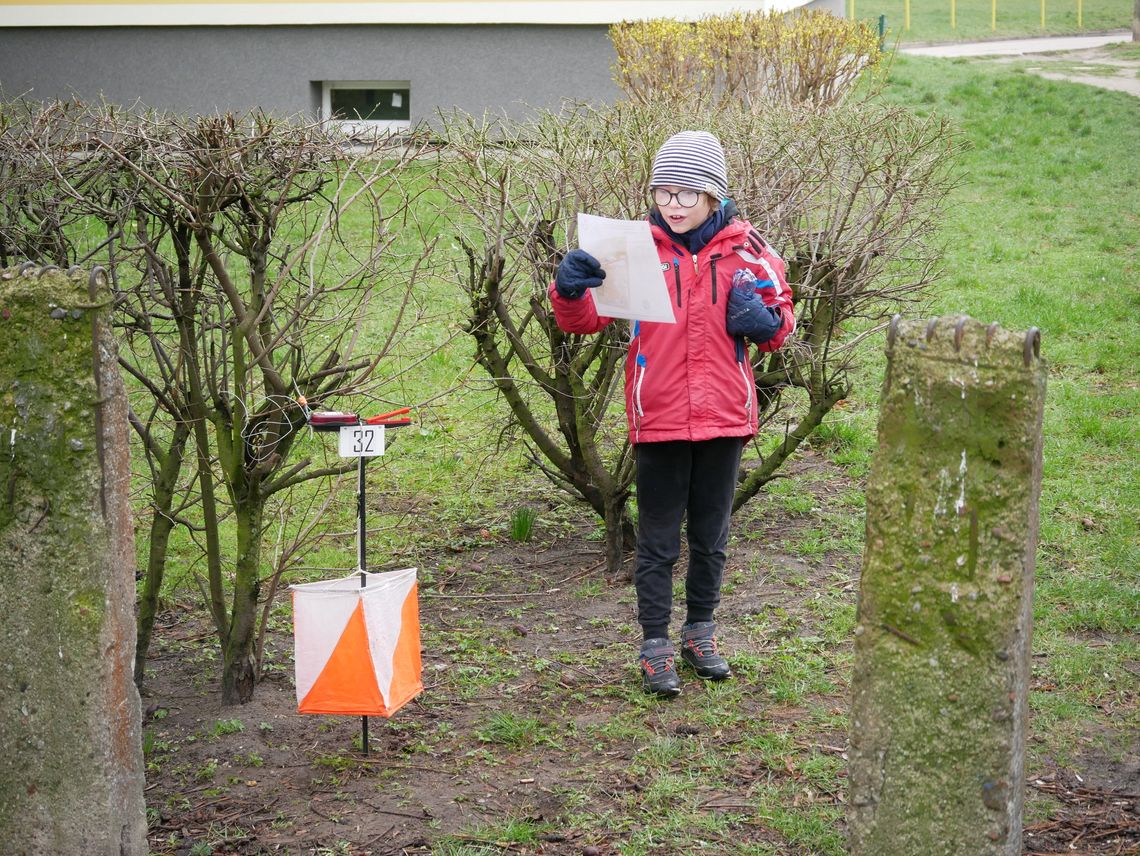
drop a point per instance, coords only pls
(704, 646)
(657, 661)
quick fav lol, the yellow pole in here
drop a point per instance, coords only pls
(954, 14)
(1043, 14)
(993, 14)
(906, 15)
(1079, 10)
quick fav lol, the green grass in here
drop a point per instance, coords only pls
(226, 726)
(930, 19)
(492, 839)
(1065, 260)
(515, 732)
(522, 523)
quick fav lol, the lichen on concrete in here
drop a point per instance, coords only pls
(71, 772)
(945, 601)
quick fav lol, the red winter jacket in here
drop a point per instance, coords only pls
(691, 380)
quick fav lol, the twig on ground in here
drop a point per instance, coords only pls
(492, 595)
(579, 574)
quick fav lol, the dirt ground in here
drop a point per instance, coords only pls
(262, 779)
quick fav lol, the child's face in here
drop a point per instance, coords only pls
(681, 219)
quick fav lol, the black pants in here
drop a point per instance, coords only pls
(673, 478)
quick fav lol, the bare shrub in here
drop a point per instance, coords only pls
(48, 186)
(240, 238)
(512, 192)
(244, 253)
(849, 195)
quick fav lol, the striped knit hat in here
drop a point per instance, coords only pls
(692, 159)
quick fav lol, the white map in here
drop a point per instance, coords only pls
(634, 287)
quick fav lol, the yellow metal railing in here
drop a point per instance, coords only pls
(953, 9)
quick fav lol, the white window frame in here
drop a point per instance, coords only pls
(358, 127)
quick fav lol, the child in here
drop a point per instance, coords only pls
(689, 390)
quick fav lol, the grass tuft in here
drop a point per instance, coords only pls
(522, 523)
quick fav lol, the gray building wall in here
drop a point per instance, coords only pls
(838, 8)
(280, 68)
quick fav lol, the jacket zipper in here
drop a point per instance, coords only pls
(677, 277)
(744, 376)
(741, 353)
(712, 268)
(639, 375)
(638, 411)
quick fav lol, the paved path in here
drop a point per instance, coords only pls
(1077, 59)
(1014, 47)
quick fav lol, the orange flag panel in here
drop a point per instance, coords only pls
(347, 683)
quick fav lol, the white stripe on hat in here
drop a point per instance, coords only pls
(692, 159)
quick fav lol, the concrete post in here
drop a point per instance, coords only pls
(942, 650)
(71, 767)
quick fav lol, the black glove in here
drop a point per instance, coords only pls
(578, 271)
(747, 313)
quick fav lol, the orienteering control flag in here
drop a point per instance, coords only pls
(357, 650)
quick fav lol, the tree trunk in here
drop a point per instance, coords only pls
(823, 394)
(759, 476)
(161, 525)
(615, 538)
(239, 674)
(942, 647)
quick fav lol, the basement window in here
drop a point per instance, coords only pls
(363, 106)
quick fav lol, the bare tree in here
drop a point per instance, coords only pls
(847, 189)
(48, 188)
(266, 294)
(516, 190)
(245, 253)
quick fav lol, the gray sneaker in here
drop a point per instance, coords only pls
(658, 673)
(698, 649)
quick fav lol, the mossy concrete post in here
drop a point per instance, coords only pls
(71, 767)
(942, 649)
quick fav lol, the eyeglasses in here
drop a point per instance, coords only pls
(685, 198)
